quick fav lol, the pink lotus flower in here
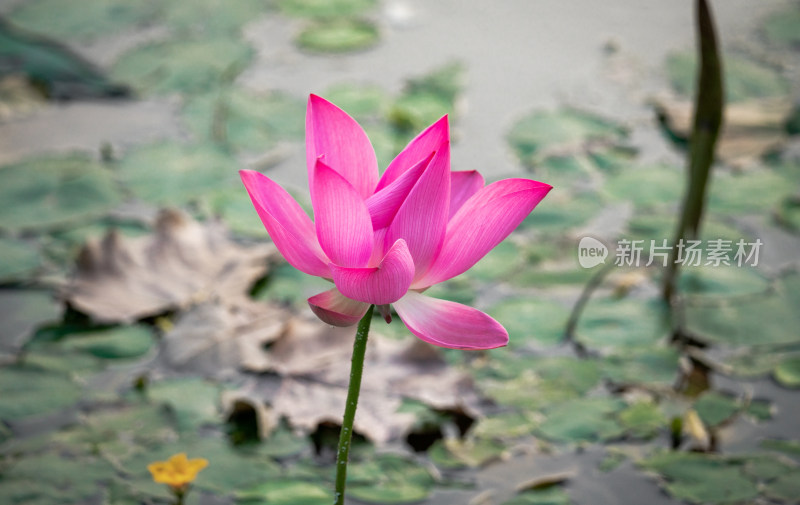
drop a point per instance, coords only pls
(386, 240)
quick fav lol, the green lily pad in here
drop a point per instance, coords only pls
(562, 130)
(651, 186)
(169, 173)
(286, 492)
(562, 211)
(338, 35)
(238, 212)
(31, 391)
(786, 487)
(700, 478)
(470, 453)
(183, 66)
(643, 419)
(325, 8)
(614, 324)
(787, 373)
(84, 20)
(48, 193)
(500, 262)
(656, 367)
(767, 466)
(67, 479)
(505, 425)
(744, 78)
(425, 99)
(548, 496)
(714, 408)
(230, 469)
(388, 478)
(20, 259)
(211, 17)
(531, 319)
(287, 284)
(113, 343)
(21, 312)
(245, 121)
(790, 447)
(787, 213)
(764, 320)
(193, 402)
(713, 282)
(752, 192)
(582, 420)
(127, 429)
(783, 27)
(364, 102)
(460, 290)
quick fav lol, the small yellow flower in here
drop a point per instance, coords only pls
(177, 471)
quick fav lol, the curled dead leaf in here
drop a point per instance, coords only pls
(124, 279)
(750, 130)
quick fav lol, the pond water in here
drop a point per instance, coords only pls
(565, 92)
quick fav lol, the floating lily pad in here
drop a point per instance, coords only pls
(786, 487)
(752, 192)
(365, 103)
(21, 311)
(563, 211)
(713, 282)
(112, 343)
(193, 402)
(656, 367)
(473, 452)
(744, 78)
(531, 319)
(84, 20)
(47, 193)
(426, 98)
(183, 66)
(763, 320)
(245, 121)
(790, 447)
(230, 469)
(650, 186)
(615, 324)
(286, 492)
(68, 479)
(700, 478)
(543, 133)
(643, 419)
(169, 173)
(211, 17)
(30, 391)
(787, 373)
(286, 283)
(505, 425)
(338, 36)
(714, 408)
(547, 496)
(388, 479)
(783, 27)
(582, 420)
(324, 8)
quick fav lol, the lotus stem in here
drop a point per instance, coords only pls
(353, 390)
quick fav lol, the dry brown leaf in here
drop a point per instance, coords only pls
(750, 130)
(184, 262)
(307, 404)
(212, 338)
(314, 361)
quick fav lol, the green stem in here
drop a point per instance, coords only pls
(353, 390)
